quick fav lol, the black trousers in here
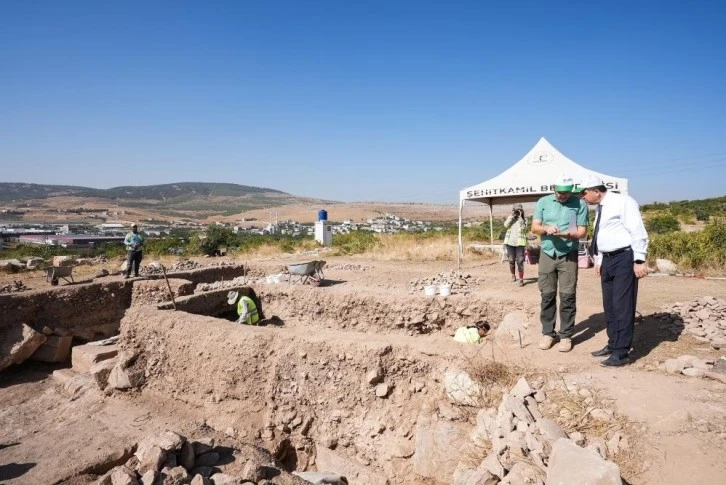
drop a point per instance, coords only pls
(619, 297)
(515, 254)
(133, 258)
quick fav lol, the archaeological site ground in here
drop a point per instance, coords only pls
(357, 380)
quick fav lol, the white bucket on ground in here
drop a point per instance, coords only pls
(444, 290)
(430, 290)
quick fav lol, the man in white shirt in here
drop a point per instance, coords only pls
(619, 247)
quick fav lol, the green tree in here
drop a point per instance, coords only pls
(662, 224)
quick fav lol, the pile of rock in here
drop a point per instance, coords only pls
(704, 318)
(526, 447)
(222, 263)
(14, 287)
(185, 265)
(460, 283)
(171, 458)
(351, 267)
(235, 283)
(149, 269)
(691, 366)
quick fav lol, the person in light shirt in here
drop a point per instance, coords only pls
(619, 247)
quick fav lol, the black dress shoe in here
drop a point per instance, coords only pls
(614, 361)
(602, 352)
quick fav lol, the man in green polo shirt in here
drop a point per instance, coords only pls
(561, 220)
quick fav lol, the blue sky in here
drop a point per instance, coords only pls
(361, 101)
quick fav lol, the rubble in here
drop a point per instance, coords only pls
(460, 283)
(14, 287)
(523, 446)
(169, 458)
(704, 318)
(351, 267)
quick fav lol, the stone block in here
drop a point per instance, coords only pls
(54, 349)
(437, 448)
(83, 357)
(571, 464)
(17, 343)
(101, 372)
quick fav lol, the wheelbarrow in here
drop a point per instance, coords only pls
(310, 272)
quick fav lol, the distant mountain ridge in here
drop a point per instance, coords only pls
(10, 191)
(183, 198)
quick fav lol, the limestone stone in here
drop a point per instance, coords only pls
(382, 390)
(460, 388)
(482, 476)
(322, 478)
(224, 479)
(101, 371)
(151, 458)
(83, 357)
(54, 349)
(123, 476)
(437, 447)
(17, 343)
(374, 376)
(150, 477)
(694, 372)
(522, 473)
(521, 389)
(550, 430)
(570, 464)
(177, 475)
(665, 266)
(205, 471)
(200, 480)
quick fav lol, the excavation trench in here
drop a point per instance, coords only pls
(345, 382)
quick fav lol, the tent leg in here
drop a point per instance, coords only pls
(459, 249)
(491, 226)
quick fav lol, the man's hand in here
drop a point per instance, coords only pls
(597, 270)
(640, 270)
(552, 230)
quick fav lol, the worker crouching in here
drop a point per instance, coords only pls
(246, 308)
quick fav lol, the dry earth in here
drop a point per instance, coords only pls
(678, 421)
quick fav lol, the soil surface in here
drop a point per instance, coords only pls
(682, 421)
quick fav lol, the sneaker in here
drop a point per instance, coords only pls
(514, 278)
(126, 276)
(521, 282)
(565, 345)
(547, 342)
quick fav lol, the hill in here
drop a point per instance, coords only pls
(185, 199)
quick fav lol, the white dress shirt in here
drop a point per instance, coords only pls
(621, 226)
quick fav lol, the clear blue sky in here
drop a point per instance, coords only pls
(368, 100)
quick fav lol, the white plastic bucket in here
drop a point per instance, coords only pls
(430, 290)
(444, 290)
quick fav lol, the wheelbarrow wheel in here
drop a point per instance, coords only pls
(54, 282)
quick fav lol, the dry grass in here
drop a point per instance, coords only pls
(398, 248)
(579, 418)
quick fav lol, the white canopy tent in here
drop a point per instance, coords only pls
(528, 180)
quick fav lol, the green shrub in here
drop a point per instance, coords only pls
(695, 250)
(355, 242)
(702, 214)
(662, 224)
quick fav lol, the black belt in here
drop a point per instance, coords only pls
(608, 254)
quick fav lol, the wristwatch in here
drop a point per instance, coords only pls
(639, 261)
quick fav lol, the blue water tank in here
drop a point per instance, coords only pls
(322, 215)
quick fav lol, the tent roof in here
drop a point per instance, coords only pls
(533, 176)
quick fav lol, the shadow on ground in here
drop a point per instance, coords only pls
(650, 331)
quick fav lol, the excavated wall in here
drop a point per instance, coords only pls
(311, 307)
(90, 311)
(344, 400)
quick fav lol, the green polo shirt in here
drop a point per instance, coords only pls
(553, 213)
